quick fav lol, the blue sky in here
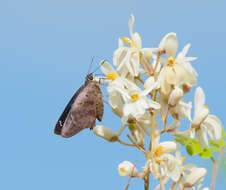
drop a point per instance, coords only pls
(45, 51)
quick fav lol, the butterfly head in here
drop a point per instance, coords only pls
(89, 77)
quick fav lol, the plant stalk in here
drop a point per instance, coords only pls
(146, 182)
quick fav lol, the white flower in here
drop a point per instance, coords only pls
(177, 71)
(204, 123)
(115, 81)
(127, 59)
(136, 102)
(143, 122)
(126, 168)
(112, 75)
(201, 111)
(165, 147)
(182, 109)
(195, 176)
(176, 165)
(185, 61)
(105, 133)
(163, 164)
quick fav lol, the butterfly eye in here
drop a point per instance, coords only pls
(89, 77)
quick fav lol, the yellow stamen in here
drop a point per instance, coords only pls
(183, 159)
(158, 149)
(122, 170)
(111, 76)
(134, 97)
(129, 41)
(171, 61)
(206, 107)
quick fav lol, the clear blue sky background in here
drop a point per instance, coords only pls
(45, 50)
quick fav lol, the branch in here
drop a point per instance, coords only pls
(215, 167)
(146, 182)
(170, 129)
(135, 144)
(124, 143)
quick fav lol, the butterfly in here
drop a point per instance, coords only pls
(83, 109)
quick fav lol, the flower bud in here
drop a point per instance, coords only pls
(169, 43)
(196, 176)
(105, 133)
(175, 96)
(147, 53)
(126, 168)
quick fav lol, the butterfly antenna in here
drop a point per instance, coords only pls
(90, 65)
(102, 62)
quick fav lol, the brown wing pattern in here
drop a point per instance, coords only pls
(84, 110)
(66, 111)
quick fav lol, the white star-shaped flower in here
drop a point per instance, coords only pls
(136, 101)
(127, 59)
(177, 70)
(115, 81)
(203, 123)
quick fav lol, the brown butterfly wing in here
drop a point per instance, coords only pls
(66, 111)
(86, 108)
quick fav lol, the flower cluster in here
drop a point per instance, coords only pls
(146, 86)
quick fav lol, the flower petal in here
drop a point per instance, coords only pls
(199, 100)
(195, 176)
(107, 68)
(202, 136)
(130, 24)
(170, 44)
(213, 126)
(184, 52)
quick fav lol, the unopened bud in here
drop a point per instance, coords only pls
(175, 96)
(105, 133)
(126, 168)
(147, 53)
(169, 43)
